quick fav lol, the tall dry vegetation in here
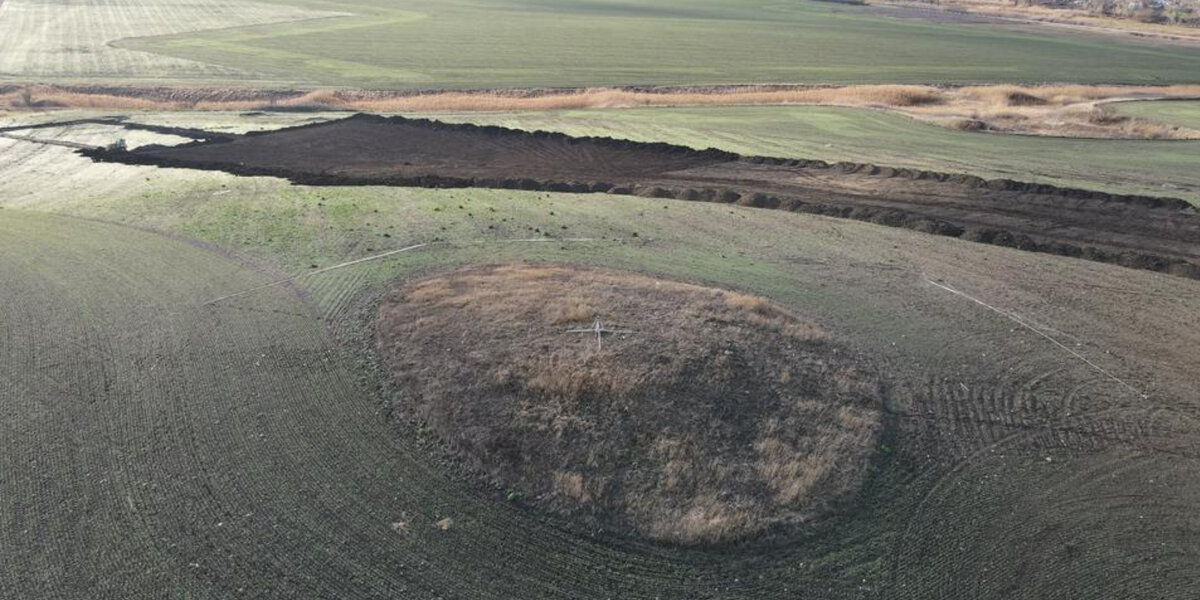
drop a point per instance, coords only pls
(1063, 110)
(722, 418)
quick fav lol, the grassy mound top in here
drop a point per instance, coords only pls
(709, 417)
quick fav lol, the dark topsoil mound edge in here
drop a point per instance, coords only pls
(972, 181)
(881, 216)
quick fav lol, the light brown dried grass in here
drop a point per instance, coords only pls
(1033, 110)
(701, 476)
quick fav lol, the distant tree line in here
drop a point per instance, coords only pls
(1181, 12)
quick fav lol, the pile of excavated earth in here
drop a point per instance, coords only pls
(1160, 234)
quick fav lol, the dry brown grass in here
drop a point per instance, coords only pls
(723, 416)
(703, 521)
(1033, 110)
(863, 95)
(745, 302)
(572, 485)
(1059, 110)
(572, 310)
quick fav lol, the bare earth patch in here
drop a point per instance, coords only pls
(721, 417)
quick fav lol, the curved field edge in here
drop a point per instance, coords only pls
(1182, 113)
(520, 44)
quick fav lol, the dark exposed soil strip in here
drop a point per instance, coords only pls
(1146, 232)
(187, 132)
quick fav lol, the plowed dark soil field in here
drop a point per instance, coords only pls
(1159, 234)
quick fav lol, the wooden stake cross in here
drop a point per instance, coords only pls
(599, 329)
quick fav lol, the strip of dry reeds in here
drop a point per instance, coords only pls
(1067, 110)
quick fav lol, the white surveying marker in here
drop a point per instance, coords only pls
(599, 329)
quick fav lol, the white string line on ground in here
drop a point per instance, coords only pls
(381, 255)
(63, 143)
(1016, 319)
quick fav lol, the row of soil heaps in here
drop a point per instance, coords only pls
(714, 418)
(1160, 234)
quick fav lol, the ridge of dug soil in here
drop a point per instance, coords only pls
(715, 418)
(1146, 232)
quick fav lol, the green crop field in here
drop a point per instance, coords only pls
(157, 444)
(195, 404)
(1183, 113)
(1156, 167)
(41, 39)
(250, 438)
(511, 43)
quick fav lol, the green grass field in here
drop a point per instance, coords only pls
(158, 446)
(43, 39)
(511, 43)
(1169, 168)
(1184, 113)
(190, 406)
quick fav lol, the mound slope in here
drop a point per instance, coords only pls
(718, 418)
(1160, 234)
